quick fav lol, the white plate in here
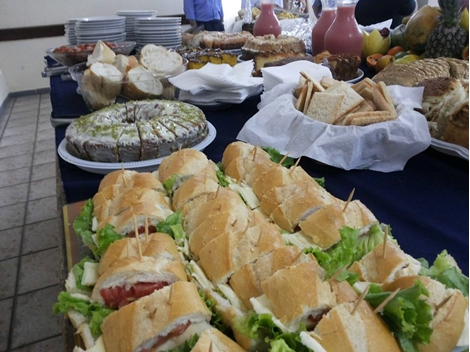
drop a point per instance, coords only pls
(142, 166)
(449, 148)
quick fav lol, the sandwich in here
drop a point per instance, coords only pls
(161, 321)
(181, 165)
(385, 263)
(131, 278)
(449, 309)
(153, 245)
(243, 150)
(212, 340)
(350, 327)
(198, 185)
(296, 295)
(228, 252)
(246, 281)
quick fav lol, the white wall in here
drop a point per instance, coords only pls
(22, 61)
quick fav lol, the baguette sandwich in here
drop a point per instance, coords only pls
(131, 278)
(161, 321)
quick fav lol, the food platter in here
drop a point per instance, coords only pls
(449, 148)
(141, 166)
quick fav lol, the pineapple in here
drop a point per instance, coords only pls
(448, 39)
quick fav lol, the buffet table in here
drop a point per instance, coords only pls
(426, 204)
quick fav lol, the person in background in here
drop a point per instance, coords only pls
(375, 11)
(206, 13)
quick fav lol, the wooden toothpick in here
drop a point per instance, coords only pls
(349, 199)
(254, 153)
(137, 238)
(146, 230)
(386, 300)
(283, 158)
(361, 298)
(338, 273)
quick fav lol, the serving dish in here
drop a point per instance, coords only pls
(70, 55)
(449, 148)
(141, 166)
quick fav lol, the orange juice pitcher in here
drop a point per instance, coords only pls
(344, 35)
(267, 22)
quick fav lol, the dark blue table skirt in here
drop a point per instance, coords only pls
(426, 204)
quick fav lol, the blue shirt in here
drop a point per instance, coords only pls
(203, 10)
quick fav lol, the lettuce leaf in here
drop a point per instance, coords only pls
(78, 270)
(216, 319)
(94, 311)
(221, 177)
(407, 315)
(172, 225)
(104, 237)
(350, 249)
(260, 327)
(82, 224)
(276, 157)
(169, 183)
(445, 271)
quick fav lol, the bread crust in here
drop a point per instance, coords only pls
(212, 340)
(297, 292)
(155, 245)
(157, 314)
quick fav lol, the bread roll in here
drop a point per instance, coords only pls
(101, 53)
(140, 84)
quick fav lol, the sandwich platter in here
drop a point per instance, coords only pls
(141, 166)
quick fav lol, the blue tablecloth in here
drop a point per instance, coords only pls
(426, 204)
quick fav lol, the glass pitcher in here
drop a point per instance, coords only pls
(344, 35)
(327, 16)
(267, 22)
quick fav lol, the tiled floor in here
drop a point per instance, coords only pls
(29, 227)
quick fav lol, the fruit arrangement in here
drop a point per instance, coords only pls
(431, 32)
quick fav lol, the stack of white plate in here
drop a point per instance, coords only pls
(164, 31)
(69, 29)
(105, 28)
(131, 16)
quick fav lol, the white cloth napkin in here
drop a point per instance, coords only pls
(218, 82)
(379, 26)
(385, 146)
(290, 73)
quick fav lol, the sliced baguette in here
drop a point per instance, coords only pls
(102, 53)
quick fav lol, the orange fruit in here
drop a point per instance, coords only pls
(372, 60)
(395, 50)
(383, 62)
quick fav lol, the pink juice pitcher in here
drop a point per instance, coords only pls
(267, 22)
(327, 16)
(344, 35)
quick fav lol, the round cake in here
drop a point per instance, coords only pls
(136, 130)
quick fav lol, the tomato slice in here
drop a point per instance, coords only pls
(119, 296)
